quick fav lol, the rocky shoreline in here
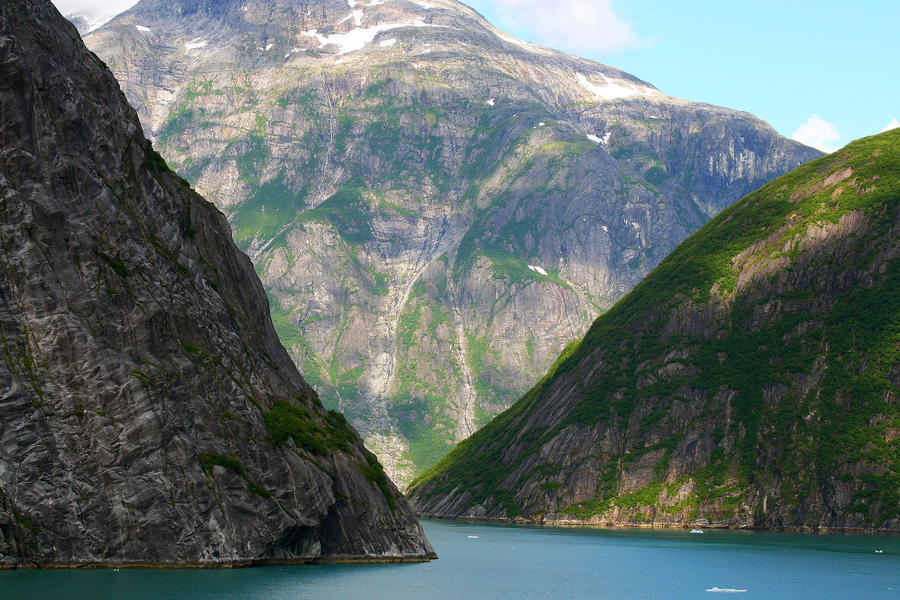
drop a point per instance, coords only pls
(241, 564)
(702, 523)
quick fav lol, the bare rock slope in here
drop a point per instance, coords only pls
(148, 413)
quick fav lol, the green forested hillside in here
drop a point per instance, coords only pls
(750, 380)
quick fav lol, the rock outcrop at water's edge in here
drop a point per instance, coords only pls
(752, 380)
(148, 413)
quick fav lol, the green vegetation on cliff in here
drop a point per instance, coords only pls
(751, 379)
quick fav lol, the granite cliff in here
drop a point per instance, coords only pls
(148, 413)
(751, 380)
(435, 207)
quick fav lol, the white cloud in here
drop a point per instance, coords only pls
(818, 133)
(93, 8)
(578, 26)
(894, 124)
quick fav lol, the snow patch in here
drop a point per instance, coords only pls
(141, 28)
(195, 43)
(522, 44)
(425, 5)
(359, 38)
(542, 124)
(388, 43)
(490, 102)
(594, 138)
(356, 15)
(613, 89)
(538, 270)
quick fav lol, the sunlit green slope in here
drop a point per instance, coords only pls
(750, 380)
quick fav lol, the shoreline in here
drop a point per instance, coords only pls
(206, 566)
(574, 523)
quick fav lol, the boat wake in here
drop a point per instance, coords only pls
(725, 590)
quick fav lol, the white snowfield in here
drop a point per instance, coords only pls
(522, 44)
(356, 15)
(141, 28)
(359, 38)
(538, 270)
(613, 89)
(599, 140)
(195, 43)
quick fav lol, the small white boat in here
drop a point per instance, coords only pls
(695, 531)
(879, 551)
(718, 590)
(473, 537)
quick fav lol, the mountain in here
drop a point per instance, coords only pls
(148, 413)
(750, 381)
(435, 208)
(87, 23)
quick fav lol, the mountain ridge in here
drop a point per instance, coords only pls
(414, 186)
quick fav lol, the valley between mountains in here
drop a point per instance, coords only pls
(436, 208)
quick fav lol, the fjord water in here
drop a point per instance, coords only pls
(494, 562)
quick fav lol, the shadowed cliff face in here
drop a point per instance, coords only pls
(435, 208)
(750, 381)
(148, 413)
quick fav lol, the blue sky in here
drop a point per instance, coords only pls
(823, 72)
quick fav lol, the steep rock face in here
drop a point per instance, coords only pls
(750, 381)
(148, 413)
(435, 207)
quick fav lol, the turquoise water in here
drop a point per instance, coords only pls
(494, 562)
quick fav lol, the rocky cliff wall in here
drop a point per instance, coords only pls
(148, 413)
